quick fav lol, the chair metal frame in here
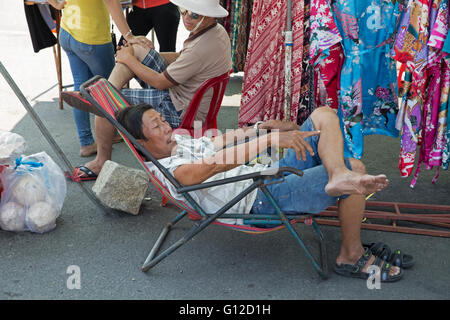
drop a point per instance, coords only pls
(195, 210)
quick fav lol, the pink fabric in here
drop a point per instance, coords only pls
(263, 85)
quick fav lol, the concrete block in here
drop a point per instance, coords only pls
(120, 187)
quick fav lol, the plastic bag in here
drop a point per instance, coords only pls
(12, 146)
(33, 196)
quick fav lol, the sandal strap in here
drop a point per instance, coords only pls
(397, 258)
(362, 261)
(382, 250)
(385, 267)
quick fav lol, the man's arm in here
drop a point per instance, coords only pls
(169, 56)
(239, 135)
(229, 158)
(233, 137)
(223, 160)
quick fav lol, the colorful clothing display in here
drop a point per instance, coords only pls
(326, 55)
(237, 24)
(345, 56)
(423, 112)
(306, 104)
(263, 85)
(368, 96)
(410, 49)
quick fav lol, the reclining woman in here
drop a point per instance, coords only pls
(316, 148)
(169, 79)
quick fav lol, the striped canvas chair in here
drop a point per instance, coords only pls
(108, 100)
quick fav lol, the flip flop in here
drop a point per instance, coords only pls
(75, 176)
(396, 258)
(75, 100)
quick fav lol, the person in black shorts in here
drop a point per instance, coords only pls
(162, 15)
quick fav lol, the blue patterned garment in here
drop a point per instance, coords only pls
(447, 44)
(368, 96)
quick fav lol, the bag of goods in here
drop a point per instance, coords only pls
(12, 145)
(33, 196)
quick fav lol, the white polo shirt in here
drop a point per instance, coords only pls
(214, 198)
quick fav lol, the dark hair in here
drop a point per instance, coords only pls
(131, 119)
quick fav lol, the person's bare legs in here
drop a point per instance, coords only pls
(104, 130)
(350, 212)
(331, 152)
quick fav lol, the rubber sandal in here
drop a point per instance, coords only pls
(396, 258)
(75, 100)
(355, 270)
(75, 176)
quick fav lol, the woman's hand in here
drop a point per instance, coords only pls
(57, 5)
(124, 53)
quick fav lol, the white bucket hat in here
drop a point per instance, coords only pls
(207, 8)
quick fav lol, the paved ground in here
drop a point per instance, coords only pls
(219, 263)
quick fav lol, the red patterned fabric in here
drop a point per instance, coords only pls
(263, 84)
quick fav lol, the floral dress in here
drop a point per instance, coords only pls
(435, 112)
(368, 96)
(423, 112)
(446, 48)
(410, 48)
(326, 54)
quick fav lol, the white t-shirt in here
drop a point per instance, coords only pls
(214, 198)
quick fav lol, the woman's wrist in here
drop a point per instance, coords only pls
(128, 35)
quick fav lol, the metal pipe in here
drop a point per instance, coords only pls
(288, 42)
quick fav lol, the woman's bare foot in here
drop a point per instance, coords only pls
(95, 166)
(350, 182)
(89, 150)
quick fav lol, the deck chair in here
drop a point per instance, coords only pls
(108, 100)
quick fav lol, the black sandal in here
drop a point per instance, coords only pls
(355, 270)
(396, 258)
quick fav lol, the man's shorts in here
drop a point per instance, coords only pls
(305, 194)
(158, 99)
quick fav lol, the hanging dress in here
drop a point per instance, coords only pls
(410, 49)
(263, 84)
(446, 151)
(368, 96)
(433, 139)
(326, 54)
(306, 104)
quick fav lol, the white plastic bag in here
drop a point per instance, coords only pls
(33, 196)
(12, 146)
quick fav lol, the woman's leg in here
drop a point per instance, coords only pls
(166, 19)
(80, 73)
(139, 21)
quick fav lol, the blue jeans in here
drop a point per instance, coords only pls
(86, 61)
(296, 194)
